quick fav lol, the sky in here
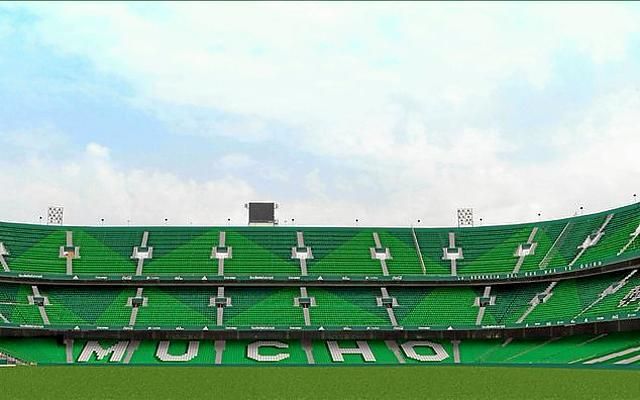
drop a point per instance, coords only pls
(385, 112)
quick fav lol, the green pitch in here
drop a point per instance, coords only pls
(317, 383)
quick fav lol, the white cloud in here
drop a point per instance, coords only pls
(360, 86)
(427, 182)
(91, 187)
(328, 69)
(98, 151)
(597, 169)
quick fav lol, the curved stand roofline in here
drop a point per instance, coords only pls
(340, 254)
(321, 227)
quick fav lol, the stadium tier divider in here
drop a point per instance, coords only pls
(610, 296)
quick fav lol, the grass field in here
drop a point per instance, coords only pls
(317, 383)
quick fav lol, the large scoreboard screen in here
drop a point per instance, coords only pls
(261, 213)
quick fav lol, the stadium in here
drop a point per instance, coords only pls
(563, 292)
(317, 200)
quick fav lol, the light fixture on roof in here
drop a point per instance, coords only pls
(465, 217)
(55, 215)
